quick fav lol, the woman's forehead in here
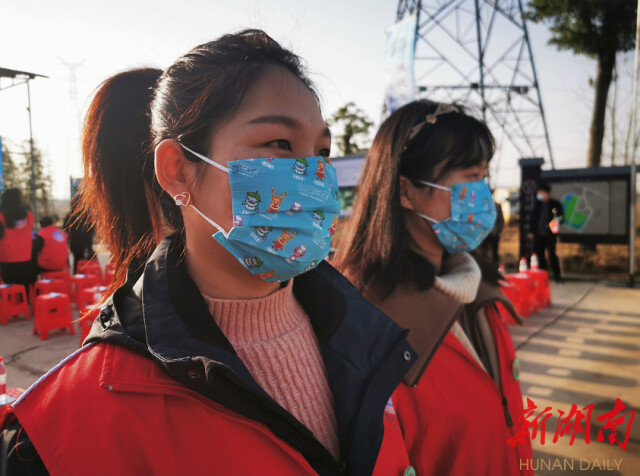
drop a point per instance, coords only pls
(279, 93)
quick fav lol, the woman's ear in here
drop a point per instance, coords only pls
(407, 193)
(173, 170)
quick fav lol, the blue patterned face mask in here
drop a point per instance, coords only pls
(473, 215)
(284, 214)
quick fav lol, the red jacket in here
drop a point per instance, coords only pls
(163, 392)
(454, 417)
(55, 252)
(144, 422)
(15, 245)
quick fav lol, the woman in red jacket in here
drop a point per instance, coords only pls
(422, 205)
(16, 225)
(228, 347)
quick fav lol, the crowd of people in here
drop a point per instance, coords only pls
(229, 344)
(25, 252)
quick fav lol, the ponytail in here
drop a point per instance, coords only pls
(119, 191)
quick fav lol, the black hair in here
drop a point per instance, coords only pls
(375, 250)
(12, 207)
(46, 221)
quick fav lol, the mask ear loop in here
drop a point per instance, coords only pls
(425, 217)
(206, 159)
(218, 227)
(435, 185)
(218, 166)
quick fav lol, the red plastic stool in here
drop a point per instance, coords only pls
(88, 315)
(13, 302)
(80, 282)
(91, 267)
(63, 275)
(90, 295)
(52, 311)
(543, 290)
(46, 286)
(526, 292)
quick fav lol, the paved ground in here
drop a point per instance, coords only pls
(585, 349)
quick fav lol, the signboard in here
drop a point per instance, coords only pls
(595, 202)
(399, 51)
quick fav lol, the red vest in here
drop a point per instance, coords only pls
(110, 411)
(443, 429)
(15, 245)
(55, 253)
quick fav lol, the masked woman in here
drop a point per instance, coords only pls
(422, 205)
(232, 350)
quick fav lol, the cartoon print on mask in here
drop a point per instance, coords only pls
(313, 264)
(472, 202)
(263, 231)
(486, 204)
(268, 275)
(318, 216)
(470, 219)
(296, 207)
(243, 169)
(251, 201)
(300, 167)
(253, 262)
(283, 239)
(276, 201)
(334, 225)
(463, 194)
(320, 171)
(298, 252)
(237, 220)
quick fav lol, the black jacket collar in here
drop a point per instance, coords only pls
(164, 317)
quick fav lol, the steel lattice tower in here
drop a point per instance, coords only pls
(477, 53)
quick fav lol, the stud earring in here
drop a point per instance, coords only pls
(182, 199)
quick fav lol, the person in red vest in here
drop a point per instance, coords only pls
(216, 355)
(423, 206)
(50, 247)
(16, 225)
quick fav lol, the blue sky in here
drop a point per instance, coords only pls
(341, 41)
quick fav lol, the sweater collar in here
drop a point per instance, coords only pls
(460, 278)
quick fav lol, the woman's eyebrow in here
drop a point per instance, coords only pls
(287, 121)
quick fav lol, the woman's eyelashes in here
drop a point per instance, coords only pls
(281, 144)
(285, 145)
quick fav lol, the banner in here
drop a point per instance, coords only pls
(399, 51)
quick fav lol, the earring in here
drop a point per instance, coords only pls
(182, 199)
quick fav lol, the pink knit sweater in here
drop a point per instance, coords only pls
(274, 338)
